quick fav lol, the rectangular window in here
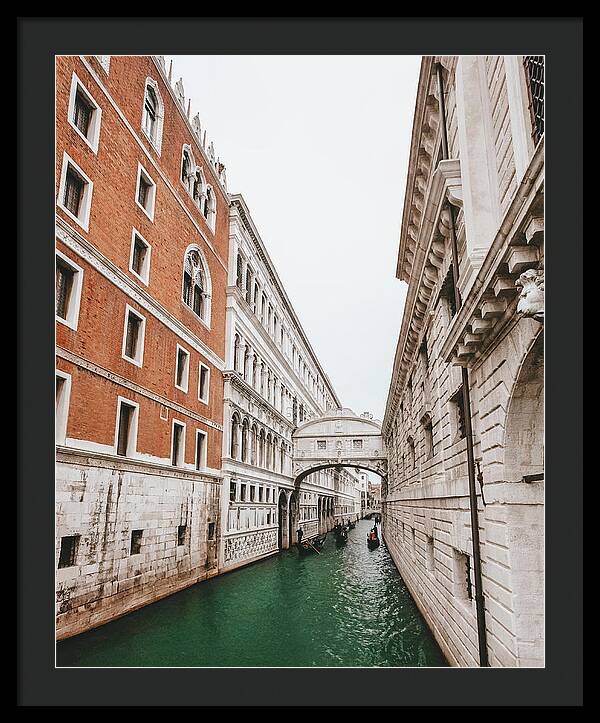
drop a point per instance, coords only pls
(321, 444)
(252, 492)
(69, 547)
(133, 336)
(139, 259)
(83, 111)
(243, 492)
(232, 491)
(182, 368)
(357, 444)
(136, 542)
(430, 551)
(64, 286)
(145, 192)
(534, 72)
(181, 530)
(201, 438)
(428, 433)
(463, 585)
(211, 530)
(63, 393)
(457, 413)
(178, 444)
(260, 494)
(75, 192)
(126, 429)
(203, 383)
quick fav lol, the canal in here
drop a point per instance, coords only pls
(346, 607)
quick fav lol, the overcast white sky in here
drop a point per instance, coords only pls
(318, 146)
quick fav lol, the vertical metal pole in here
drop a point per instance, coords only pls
(466, 394)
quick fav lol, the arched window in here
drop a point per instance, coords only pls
(246, 367)
(153, 114)
(188, 170)
(269, 451)
(196, 284)
(239, 275)
(253, 444)
(249, 276)
(210, 207)
(261, 448)
(235, 431)
(245, 440)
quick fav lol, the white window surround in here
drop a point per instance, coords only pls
(133, 429)
(145, 275)
(62, 407)
(155, 142)
(104, 61)
(139, 360)
(204, 399)
(186, 374)
(201, 434)
(151, 202)
(83, 219)
(180, 462)
(93, 136)
(75, 299)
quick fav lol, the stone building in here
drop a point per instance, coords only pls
(273, 382)
(476, 175)
(142, 240)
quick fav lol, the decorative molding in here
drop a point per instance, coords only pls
(87, 251)
(132, 386)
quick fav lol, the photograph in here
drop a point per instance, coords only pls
(299, 361)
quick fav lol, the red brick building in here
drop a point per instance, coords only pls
(142, 235)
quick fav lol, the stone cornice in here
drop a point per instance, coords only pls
(86, 250)
(238, 203)
(493, 291)
(69, 455)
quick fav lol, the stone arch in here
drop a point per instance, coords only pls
(524, 430)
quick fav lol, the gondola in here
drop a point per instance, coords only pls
(351, 525)
(341, 535)
(307, 547)
(373, 541)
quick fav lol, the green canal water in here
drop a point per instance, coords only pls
(346, 607)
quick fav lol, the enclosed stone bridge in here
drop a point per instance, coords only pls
(340, 438)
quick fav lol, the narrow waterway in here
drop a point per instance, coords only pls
(347, 606)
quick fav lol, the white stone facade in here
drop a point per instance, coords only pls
(273, 382)
(493, 184)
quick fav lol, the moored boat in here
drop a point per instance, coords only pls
(307, 547)
(373, 539)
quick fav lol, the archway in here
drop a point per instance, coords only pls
(293, 518)
(282, 533)
(524, 432)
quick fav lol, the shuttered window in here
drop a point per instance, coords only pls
(64, 286)
(73, 193)
(150, 112)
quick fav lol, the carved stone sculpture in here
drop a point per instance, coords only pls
(531, 297)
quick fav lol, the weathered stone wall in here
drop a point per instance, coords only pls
(103, 499)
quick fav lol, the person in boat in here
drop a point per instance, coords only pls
(300, 535)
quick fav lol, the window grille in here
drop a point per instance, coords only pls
(136, 542)
(459, 410)
(193, 284)
(534, 71)
(64, 284)
(181, 530)
(68, 550)
(83, 113)
(73, 192)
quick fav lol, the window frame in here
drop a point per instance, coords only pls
(178, 463)
(139, 360)
(93, 137)
(148, 212)
(62, 408)
(204, 463)
(206, 398)
(155, 142)
(187, 368)
(72, 319)
(145, 276)
(131, 452)
(83, 220)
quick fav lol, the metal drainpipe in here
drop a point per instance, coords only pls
(479, 599)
